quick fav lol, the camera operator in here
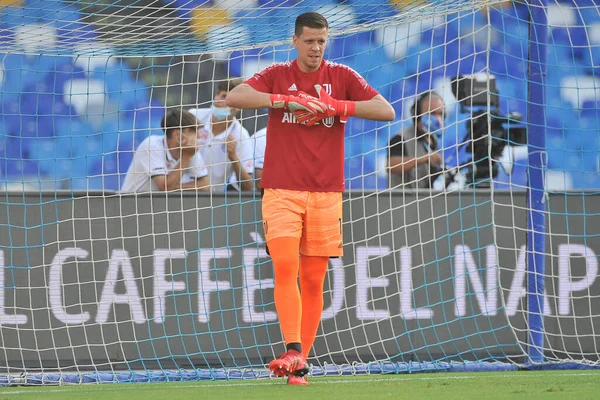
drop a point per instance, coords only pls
(414, 160)
(488, 134)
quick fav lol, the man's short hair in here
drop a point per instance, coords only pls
(311, 20)
(417, 107)
(228, 85)
(177, 118)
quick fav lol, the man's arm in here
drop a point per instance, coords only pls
(172, 180)
(200, 184)
(257, 177)
(401, 165)
(376, 109)
(245, 96)
(243, 177)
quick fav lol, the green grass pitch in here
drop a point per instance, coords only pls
(496, 385)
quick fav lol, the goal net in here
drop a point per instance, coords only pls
(480, 258)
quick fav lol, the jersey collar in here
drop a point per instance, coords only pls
(167, 150)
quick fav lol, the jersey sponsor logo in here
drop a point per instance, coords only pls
(290, 118)
(293, 88)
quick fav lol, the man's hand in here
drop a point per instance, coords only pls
(306, 117)
(188, 146)
(435, 159)
(231, 147)
(344, 108)
(308, 104)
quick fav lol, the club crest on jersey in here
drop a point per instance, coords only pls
(327, 87)
(328, 122)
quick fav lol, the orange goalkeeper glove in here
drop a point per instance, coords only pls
(298, 104)
(344, 108)
(307, 117)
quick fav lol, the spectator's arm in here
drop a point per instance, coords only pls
(402, 165)
(172, 180)
(243, 177)
(200, 184)
(257, 177)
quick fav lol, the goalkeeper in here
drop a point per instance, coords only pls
(309, 99)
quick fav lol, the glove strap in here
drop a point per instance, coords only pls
(278, 100)
(346, 109)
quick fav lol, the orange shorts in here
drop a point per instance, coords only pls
(313, 217)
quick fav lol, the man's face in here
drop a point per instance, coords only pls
(189, 136)
(311, 47)
(219, 99)
(434, 106)
(219, 103)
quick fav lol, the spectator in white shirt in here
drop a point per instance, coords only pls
(169, 162)
(225, 144)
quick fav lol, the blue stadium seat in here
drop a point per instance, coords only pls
(345, 46)
(20, 71)
(590, 161)
(63, 74)
(40, 149)
(20, 169)
(508, 15)
(183, 8)
(13, 16)
(39, 99)
(353, 172)
(590, 181)
(69, 168)
(237, 59)
(144, 116)
(557, 159)
(110, 136)
(32, 126)
(439, 35)
(574, 36)
(110, 173)
(11, 148)
(55, 12)
(276, 3)
(75, 33)
(590, 14)
(591, 109)
(372, 10)
(69, 127)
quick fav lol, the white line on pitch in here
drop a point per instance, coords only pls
(314, 381)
